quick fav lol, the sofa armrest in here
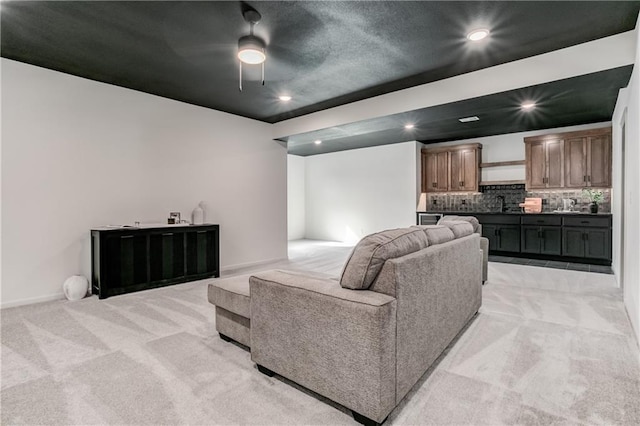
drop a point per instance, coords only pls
(337, 342)
(484, 246)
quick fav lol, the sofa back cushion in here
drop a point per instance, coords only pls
(459, 229)
(437, 234)
(369, 255)
(470, 219)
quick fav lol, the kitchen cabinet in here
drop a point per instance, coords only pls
(544, 162)
(131, 259)
(435, 171)
(569, 160)
(451, 169)
(502, 231)
(588, 159)
(463, 169)
(587, 237)
(562, 237)
(541, 234)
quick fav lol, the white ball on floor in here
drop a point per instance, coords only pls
(75, 287)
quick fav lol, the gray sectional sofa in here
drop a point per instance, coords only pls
(364, 340)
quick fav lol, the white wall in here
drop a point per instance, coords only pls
(78, 154)
(295, 197)
(510, 147)
(628, 106)
(350, 194)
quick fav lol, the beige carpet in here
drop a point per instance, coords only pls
(549, 347)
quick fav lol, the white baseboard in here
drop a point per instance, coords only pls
(58, 296)
(231, 268)
(32, 300)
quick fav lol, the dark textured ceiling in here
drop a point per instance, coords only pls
(323, 54)
(585, 99)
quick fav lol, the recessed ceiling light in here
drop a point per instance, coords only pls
(409, 126)
(284, 98)
(478, 34)
(528, 105)
(317, 141)
(468, 119)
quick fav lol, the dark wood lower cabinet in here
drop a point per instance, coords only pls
(563, 237)
(541, 240)
(590, 243)
(133, 259)
(502, 237)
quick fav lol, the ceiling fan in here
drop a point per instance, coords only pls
(209, 36)
(251, 48)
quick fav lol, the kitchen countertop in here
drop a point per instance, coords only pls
(458, 213)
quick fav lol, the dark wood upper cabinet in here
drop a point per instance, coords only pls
(569, 160)
(575, 153)
(599, 160)
(452, 168)
(544, 160)
(435, 174)
(463, 169)
(588, 159)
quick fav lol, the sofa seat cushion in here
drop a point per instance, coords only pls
(460, 229)
(470, 219)
(232, 294)
(437, 234)
(368, 256)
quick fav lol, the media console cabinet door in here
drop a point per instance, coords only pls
(126, 262)
(201, 245)
(166, 257)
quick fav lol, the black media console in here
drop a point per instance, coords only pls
(124, 260)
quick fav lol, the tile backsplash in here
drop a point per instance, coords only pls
(488, 200)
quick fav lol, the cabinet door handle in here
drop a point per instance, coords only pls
(495, 232)
(584, 178)
(462, 183)
(167, 234)
(588, 178)
(433, 185)
(586, 236)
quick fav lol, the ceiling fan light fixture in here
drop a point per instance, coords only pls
(478, 34)
(251, 50)
(409, 126)
(317, 142)
(528, 105)
(284, 98)
(468, 119)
